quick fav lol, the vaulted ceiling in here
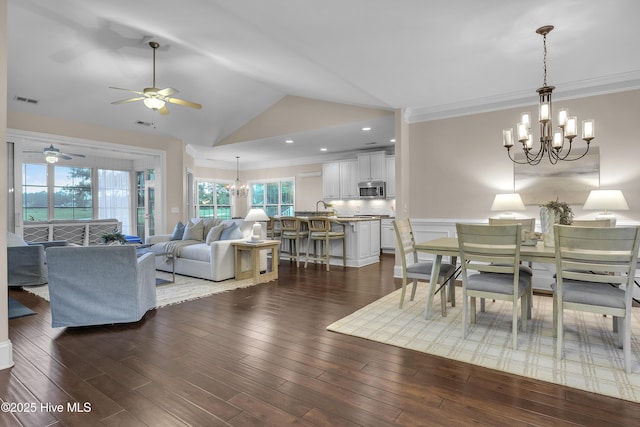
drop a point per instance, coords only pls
(241, 59)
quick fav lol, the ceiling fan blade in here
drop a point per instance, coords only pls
(164, 110)
(127, 90)
(39, 152)
(183, 102)
(64, 156)
(123, 101)
(75, 155)
(167, 91)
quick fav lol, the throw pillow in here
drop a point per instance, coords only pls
(193, 231)
(178, 231)
(232, 232)
(209, 223)
(214, 234)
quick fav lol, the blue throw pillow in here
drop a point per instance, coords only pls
(232, 232)
(178, 231)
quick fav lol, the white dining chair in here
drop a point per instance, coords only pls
(591, 265)
(490, 259)
(417, 270)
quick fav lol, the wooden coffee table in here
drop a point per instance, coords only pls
(254, 249)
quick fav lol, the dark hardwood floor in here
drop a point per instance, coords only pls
(262, 356)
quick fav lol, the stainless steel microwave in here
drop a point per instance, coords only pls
(372, 190)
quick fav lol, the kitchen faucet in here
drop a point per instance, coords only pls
(323, 204)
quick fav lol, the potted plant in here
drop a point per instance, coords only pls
(114, 237)
(554, 212)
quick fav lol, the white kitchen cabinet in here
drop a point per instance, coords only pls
(387, 235)
(391, 176)
(331, 180)
(362, 241)
(371, 166)
(349, 179)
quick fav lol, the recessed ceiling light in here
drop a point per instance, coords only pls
(366, 129)
(392, 140)
(289, 141)
(323, 149)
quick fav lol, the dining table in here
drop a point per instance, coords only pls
(448, 246)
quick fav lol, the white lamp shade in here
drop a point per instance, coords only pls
(606, 200)
(256, 215)
(507, 202)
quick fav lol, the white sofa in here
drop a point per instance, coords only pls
(212, 262)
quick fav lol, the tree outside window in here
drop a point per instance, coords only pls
(214, 200)
(275, 197)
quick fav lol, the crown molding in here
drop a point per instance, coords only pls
(564, 91)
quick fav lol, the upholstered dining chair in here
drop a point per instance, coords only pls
(591, 264)
(417, 270)
(322, 231)
(292, 231)
(493, 253)
(528, 224)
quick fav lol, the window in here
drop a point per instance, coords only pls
(72, 198)
(214, 200)
(276, 197)
(62, 192)
(35, 193)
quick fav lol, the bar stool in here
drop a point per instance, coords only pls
(273, 233)
(320, 231)
(292, 231)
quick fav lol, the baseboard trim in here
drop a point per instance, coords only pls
(6, 355)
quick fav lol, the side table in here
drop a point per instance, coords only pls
(254, 249)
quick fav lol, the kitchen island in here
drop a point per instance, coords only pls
(362, 236)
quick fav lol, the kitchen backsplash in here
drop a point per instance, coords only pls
(364, 207)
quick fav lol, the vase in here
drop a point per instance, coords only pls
(548, 217)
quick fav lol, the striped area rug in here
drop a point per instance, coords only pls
(592, 362)
(184, 289)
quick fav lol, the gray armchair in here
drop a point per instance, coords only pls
(26, 265)
(99, 285)
(26, 262)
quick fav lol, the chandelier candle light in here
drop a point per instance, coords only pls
(552, 144)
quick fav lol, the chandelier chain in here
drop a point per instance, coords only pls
(544, 42)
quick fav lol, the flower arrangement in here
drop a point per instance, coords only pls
(562, 210)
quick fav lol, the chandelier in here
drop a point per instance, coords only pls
(552, 144)
(238, 189)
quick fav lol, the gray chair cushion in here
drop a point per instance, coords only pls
(424, 268)
(601, 294)
(500, 283)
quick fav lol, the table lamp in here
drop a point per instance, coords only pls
(256, 215)
(507, 203)
(604, 200)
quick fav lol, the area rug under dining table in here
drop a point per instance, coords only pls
(592, 362)
(167, 293)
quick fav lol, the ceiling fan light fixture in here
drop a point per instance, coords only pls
(50, 158)
(154, 103)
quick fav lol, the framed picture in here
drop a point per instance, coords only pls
(568, 181)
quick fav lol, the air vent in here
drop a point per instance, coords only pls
(27, 100)
(141, 123)
(370, 143)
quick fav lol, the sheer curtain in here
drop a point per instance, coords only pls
(114, 197)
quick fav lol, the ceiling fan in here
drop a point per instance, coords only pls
(153, 97)
(53, 154)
